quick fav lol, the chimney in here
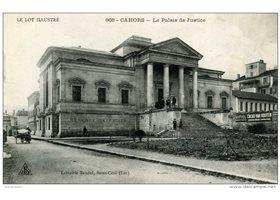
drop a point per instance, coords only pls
(238, 75)
(261, 61)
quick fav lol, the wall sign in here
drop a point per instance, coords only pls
(255, 117)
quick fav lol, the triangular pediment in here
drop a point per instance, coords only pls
(176, 46)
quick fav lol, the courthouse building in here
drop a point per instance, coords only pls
(107, 91)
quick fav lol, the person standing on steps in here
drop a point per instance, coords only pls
(173, 102)
(174, 127)
(180, 128)
(85, 131)
(168, 103)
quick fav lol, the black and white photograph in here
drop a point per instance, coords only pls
(140, 98)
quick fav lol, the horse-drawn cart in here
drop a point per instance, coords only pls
(24, 136)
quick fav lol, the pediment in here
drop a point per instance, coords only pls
(176, 46)
(125, 84)
(102, 83)
(76, 80)
(210, 93)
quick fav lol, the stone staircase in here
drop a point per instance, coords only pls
(194, 125)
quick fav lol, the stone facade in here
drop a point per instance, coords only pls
(111, 92)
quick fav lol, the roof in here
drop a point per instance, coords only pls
(80, 49)
(142, 41)
(211, 70)
(254, 96)
(134, 39)
(267, 72)
(35, 93)
(198, 55)
(207, 77)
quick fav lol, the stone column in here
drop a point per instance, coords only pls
(150, 85)
(181, 87)
(165, 81)
(195, 103)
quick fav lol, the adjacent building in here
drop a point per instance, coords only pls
(33, 102)
(22, 118)
(258, 79)
(257, 90)
(9, 122)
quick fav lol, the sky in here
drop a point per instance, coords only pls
(226, 41)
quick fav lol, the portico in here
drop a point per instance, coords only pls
(182, 70)
(171, 54)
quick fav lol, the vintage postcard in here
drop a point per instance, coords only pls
(182, 98)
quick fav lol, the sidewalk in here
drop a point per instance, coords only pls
(260, 171)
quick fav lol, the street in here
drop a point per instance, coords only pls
(51, 163)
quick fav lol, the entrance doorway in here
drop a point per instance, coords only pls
(160, 94)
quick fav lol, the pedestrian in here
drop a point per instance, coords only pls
(180, 128)
(173, 101)
(85, 131)
(180, 124)
(174, 124)
(28, 138)
(174, 127)
(28, 129)
(168, 102)
(4, 136)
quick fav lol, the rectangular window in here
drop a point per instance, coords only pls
(224, 103)
(270, 90)
(209, 101)
(76, 93)
(102, 95)
(251, 107)
(40, 125)
(256, 106)
(241, 106)
(275, 106)
(265, 80)
(270, 107)
(125, 96)
(246, 106)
